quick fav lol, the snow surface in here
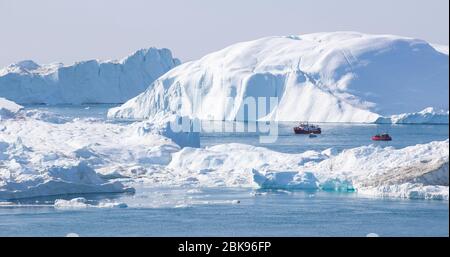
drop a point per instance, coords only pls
(441, 48)
(327, 77)
(85, 82)
(43, 157)
(426, 116)
(419, 171)
(8, 108)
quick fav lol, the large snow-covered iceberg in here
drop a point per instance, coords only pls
(328, 77)
(85, 82)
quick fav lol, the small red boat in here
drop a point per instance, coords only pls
(305, 128)
(382, 137)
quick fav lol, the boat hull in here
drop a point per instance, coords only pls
(381, 138)
(306, 132)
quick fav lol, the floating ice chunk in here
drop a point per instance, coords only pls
(59, 180)
(194, 191)
(72, 235)
(80, 203)
(74, 203)
(182, 205)
(111, 205)
(336, 184)
(285, 180)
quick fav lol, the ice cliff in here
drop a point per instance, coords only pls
(84, 82)
(327, 77)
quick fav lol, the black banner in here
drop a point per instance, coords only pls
(227, 246)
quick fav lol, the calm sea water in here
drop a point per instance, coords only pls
(336, 135)
(157, 212)
(270, 214)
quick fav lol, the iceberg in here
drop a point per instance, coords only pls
(320, 77)
(75, 203)
(286, 180)
(42, 154)
(81, 203)
(56, 180)
(426, 116)
(31, 168)
(419, 171)
(8, 108)
(90, 81)
(232, 165)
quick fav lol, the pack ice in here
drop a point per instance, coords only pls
(42, 155)
(417, 172)
(91, 81)
(322, 77)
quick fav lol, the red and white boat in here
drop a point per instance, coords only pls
(382, 137)
(305, 128)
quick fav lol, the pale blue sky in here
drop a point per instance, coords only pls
(70, 30)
